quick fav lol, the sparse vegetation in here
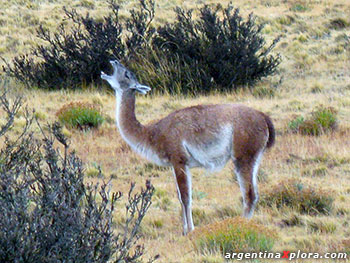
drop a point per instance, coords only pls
(227, 212)
(233, 234)
(322, 120)
(320, 170)
(300, 196)
(80, 115)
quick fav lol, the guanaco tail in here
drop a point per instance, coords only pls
(205, 136)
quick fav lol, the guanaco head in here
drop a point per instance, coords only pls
(123, 79)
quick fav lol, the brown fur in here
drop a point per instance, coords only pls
(199, 123)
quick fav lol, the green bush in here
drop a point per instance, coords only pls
(325, 118)
(80, 115)
(321, 120)
(233, 234)
(304, 198)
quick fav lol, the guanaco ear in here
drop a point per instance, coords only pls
(141, 88)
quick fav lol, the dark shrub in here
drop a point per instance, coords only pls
(48, 213)
(140, 28)
(218, 51)
(71, 57)
(214, 52)
(75, 56)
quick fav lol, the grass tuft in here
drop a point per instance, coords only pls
(304, 198)
(321, 120)
(321, 226)
(233, 234)
(292, 220)
(338, 23)
(300, 6)
(317, 88)
(80, 115)
(157, 223)
(294, 125)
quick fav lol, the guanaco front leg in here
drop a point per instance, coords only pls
(184, 189)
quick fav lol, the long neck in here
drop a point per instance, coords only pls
(132, 131)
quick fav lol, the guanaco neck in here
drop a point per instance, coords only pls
(131, 130)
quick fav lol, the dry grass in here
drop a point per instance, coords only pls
(314, 71)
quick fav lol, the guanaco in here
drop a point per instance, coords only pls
(205, 136)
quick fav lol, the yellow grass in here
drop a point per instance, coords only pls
(314, 71)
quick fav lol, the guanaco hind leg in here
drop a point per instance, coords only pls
(246, 170)
(184, 189)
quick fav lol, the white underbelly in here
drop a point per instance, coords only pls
(211, 155)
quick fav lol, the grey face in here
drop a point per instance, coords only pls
(123, 79)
